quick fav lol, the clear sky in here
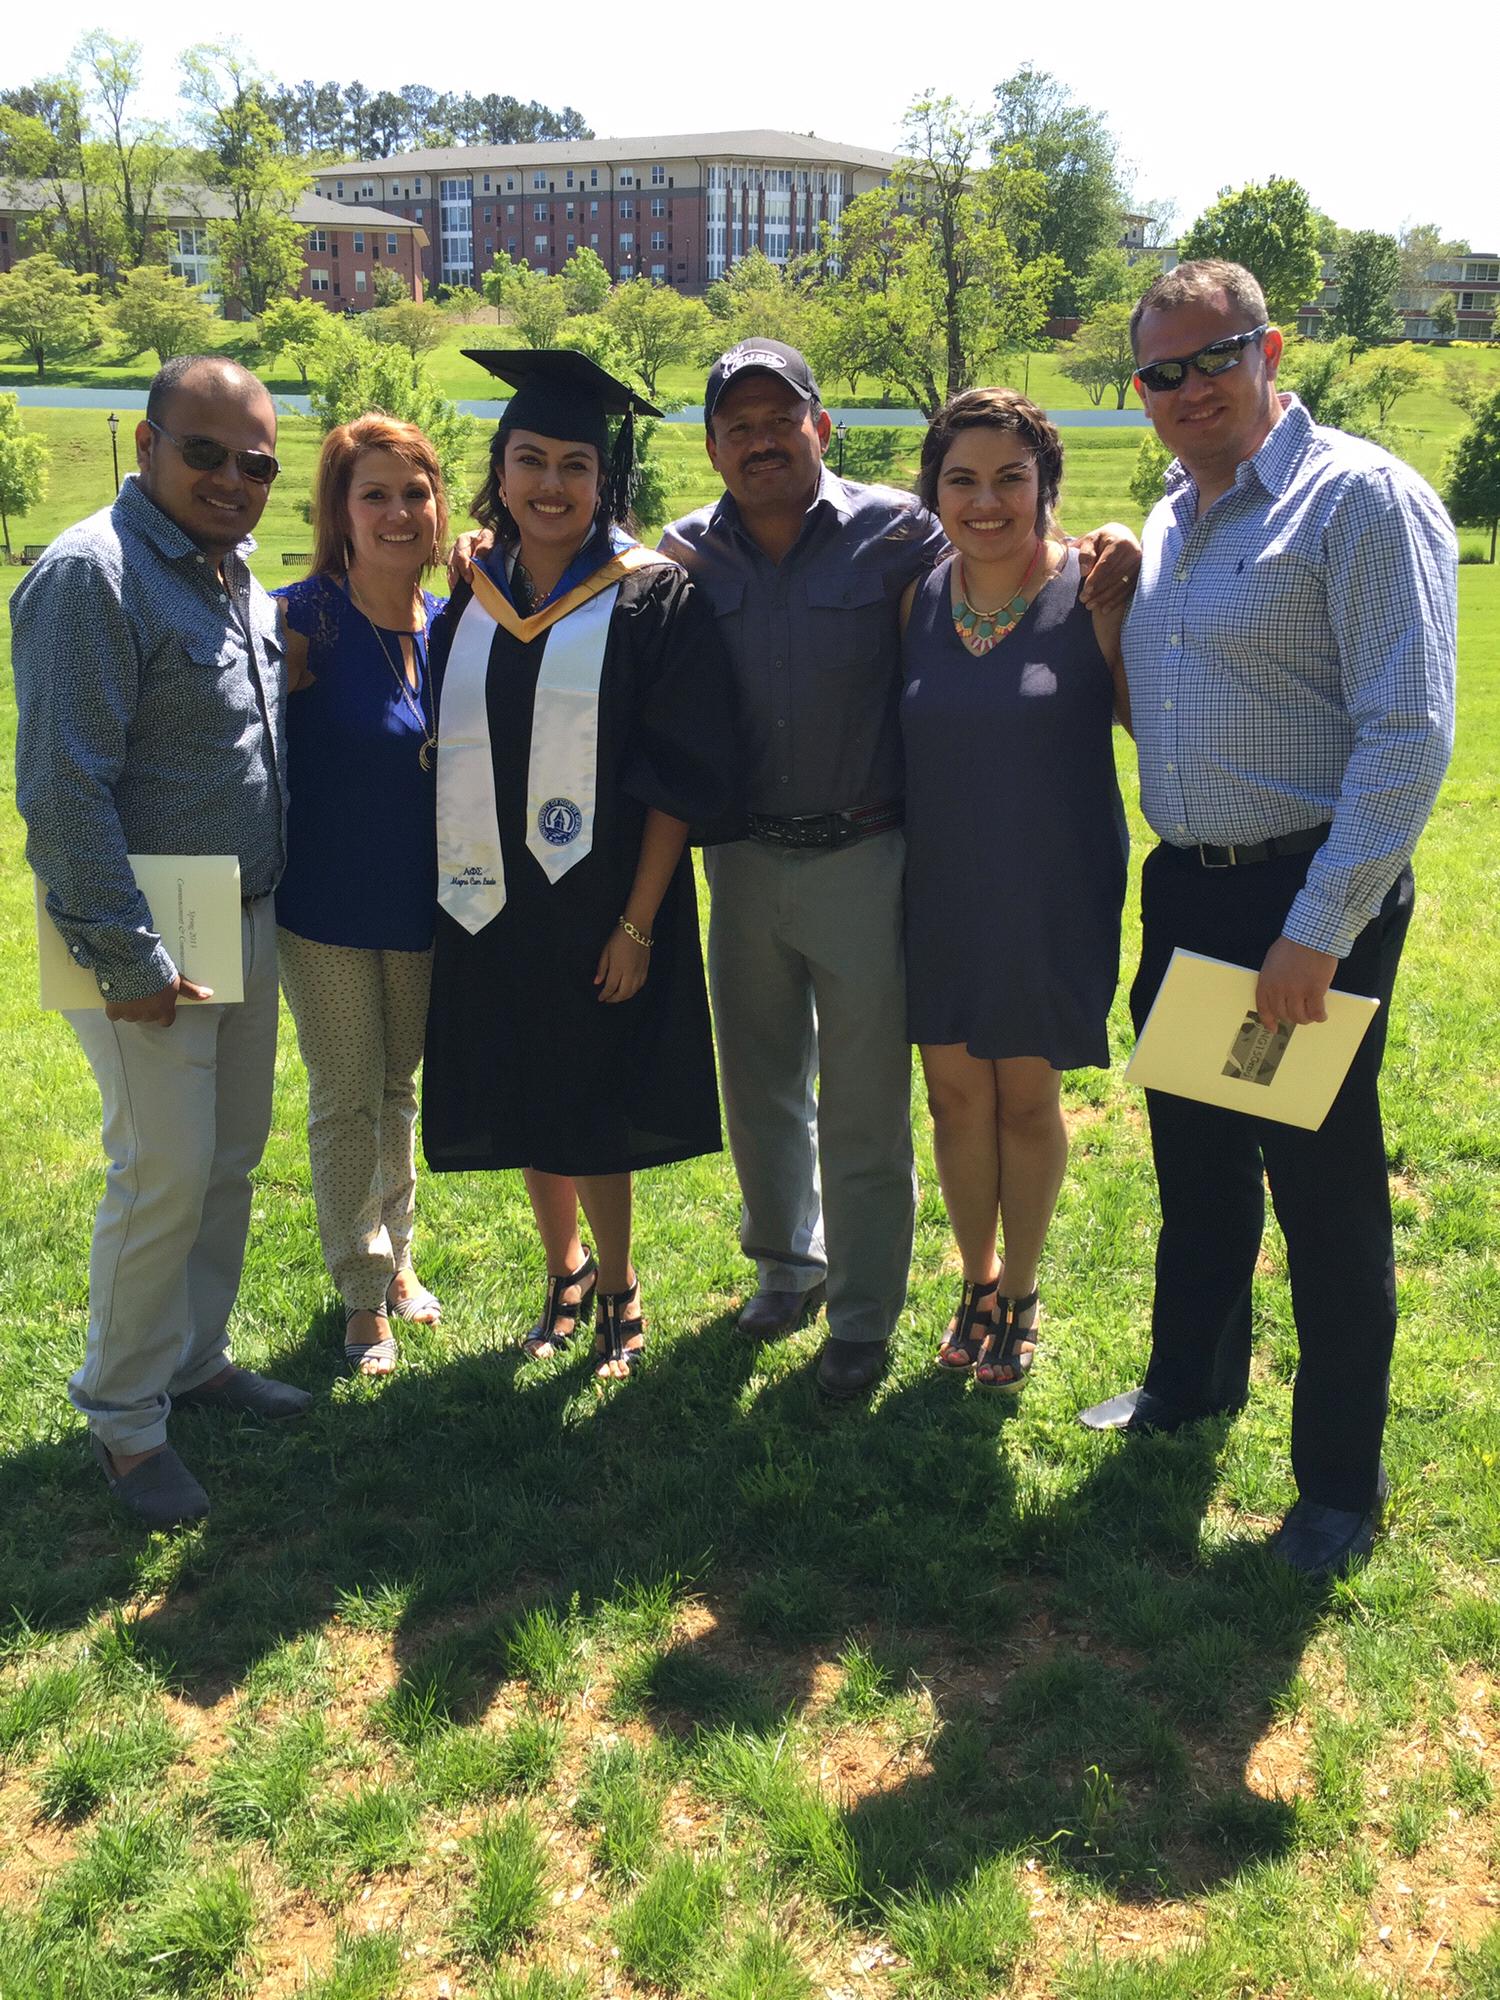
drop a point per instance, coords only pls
(1385, 115)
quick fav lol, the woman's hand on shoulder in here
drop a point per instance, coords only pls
(467, 549)
(623, 965)
(1109, 561)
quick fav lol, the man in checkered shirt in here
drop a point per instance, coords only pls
(1291, 663)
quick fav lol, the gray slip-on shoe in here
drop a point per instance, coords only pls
(246, 1394)
(160, 1492)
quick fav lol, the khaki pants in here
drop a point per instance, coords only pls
(186, 1113)
(361, 1016)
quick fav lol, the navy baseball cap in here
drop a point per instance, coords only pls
(759, 357)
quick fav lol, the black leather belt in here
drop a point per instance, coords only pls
(1246, 853)
(826, 829)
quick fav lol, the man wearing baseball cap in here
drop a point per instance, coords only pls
(805, 572)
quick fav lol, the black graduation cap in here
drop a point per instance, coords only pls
(560, 393)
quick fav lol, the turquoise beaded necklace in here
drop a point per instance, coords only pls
(982, 630)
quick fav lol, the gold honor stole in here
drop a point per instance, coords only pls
(562, 771)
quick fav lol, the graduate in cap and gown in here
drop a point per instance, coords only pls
(584, 718)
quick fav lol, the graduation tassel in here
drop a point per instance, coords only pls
(621, 482)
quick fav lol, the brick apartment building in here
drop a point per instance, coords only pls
(1473, 281)
(343, 247)
(678, 209)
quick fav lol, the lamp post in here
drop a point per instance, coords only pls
(841, 431)
(114, 445)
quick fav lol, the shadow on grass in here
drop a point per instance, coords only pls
(1098, 1683)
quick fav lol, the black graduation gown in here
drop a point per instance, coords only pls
(525, 1066)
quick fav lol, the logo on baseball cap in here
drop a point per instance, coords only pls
(759, 357)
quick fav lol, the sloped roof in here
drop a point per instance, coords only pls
(802, 147)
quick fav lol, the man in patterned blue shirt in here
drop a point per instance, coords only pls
(150, 691)
(1291, 663)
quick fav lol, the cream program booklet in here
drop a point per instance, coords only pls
(195, 908)
(1204, 1039)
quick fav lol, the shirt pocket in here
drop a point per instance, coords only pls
(1270, 611)
(850, 621)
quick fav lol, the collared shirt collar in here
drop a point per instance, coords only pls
(832, 492)
(1276, 461)
(139, 512)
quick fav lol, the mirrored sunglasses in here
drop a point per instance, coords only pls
(1215, 359)
(201, 454)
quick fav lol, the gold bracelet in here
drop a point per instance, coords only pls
(631, 932)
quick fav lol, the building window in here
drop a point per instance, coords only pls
(627, 211)
(626, 177)
(593, 177)
(359, 242)
(593, 210)
(539, 245)
(416, 186)
(658, 239)
(594, 241)
(510, 183)
(392, 243)
(627, 242)
(658, 177)
(338, 188)
(571, 246)
(658, 205)
(510, 246)
(367, 190)
(659, 274)
(570, 211)
(360, 281)
(486, 184)
(317, 242)
(318, 280)
(416, 215)
(568, 178)
(539, 180)
(539, 211)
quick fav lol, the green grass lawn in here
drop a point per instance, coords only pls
(487, 1682)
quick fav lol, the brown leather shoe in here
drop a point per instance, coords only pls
(771, 1314)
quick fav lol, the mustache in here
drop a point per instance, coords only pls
(766, 458)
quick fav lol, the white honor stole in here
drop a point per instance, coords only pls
(562, 772)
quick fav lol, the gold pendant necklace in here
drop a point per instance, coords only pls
(982, 630)
(413, 703)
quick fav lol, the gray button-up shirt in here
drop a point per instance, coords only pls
(150, 700)
(815, 640)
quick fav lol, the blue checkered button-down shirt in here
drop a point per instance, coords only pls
(1291, 661)
(150, 695)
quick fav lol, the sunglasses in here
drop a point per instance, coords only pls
(1215, 359)
(201, 454)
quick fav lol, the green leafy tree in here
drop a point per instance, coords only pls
(1390, 375)
(1072, 148)
(592, 334)
(140, 158)
(585, 281)
(462, 303)
(257, 246)
(294, 327)
(929, 262)
(759, 299)
(44, 139)
(1269, 227)
(23, 467)
(1108, 279)
(1332, 391)
(1369, 276)
(1421, 244)
(1445, 316)
(1472, 486)
(1100, 355)
(388, 287)
(47, 310)
(1148, 481)
(1468, 382)
(165, 315)
(361, 374)
(415, 325)
(533, 301)
(657, 328)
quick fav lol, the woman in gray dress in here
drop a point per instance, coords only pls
(1016, 852)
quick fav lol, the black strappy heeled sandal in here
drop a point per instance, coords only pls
(965, 1339)
(615, 1330)
(1009, 1346)
(547, 1332)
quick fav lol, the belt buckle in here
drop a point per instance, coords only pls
(1217, 866)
